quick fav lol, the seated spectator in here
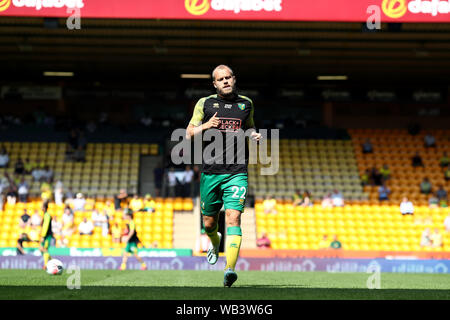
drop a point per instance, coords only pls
(385, 172)
(417, 160)
(122, 196)
(96, 218)
(38, 173)
(263, 242)
(270, 204)
(425, 240)
(383, 192)
(68, 226)
(441, 193)
(116, 233)
(23, 191)
(79, 202)
(12, 195)
(425, 186)
(335, 244)
(297, 198)
(376, 177)
(445, 160)
(436, 239)
(19, 167)
(28, 166)
(447, 223)
(367, 147)
(365, 178)
(101, 220)
(86, 227)
(433, 202)
(324, 243)
(149, 203)
(443, 203)
(4, 157)
(47, 174)
(327, 202)
(36, 219)
(57, 229)
(24, 220)
(202, 243)
(136, 203)
(406, 207)
(337, 198)
(307, 201)
(430, 141)
(59, 192)
(46, 191)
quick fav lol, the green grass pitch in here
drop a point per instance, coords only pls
(207, 285)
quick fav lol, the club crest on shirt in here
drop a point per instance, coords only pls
(215, 105)
(241, 106)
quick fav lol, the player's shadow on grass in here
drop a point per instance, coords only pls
(238, 292)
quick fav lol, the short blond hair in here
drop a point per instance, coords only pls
(221, 66)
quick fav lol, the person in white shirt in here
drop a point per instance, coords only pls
(79, 202)
(86, 227)
(36, 219)
(23, 191)
(337, 199)
(59, 192)
(406, 207)
(447, 223)
(172, 182)
(4, 158)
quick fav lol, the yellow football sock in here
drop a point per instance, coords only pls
(213, 236)
(46, 258)
(233, 244)
(123, 266)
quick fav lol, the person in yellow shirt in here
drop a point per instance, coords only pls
(136, 204)
(46, 191)
(436, 239)
(269, 205)
(149, 203)
(324, 243)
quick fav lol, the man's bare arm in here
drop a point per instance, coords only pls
(192, 130)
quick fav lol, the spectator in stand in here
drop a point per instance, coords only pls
(447, 223)
(307, 201)
(367, 146)
(86, 227)
(28, 166)
(79, 202)
(38, 173)
(4, 157)
(447, 174)
(23, 238)
(187, 181)
(327, 202)
(297, 198)
(202, 243)
(445, 160)
(270, 204)
(57, 230)
(172, 182)
(196, 178)
(149, 203)
(146, 120)
(68, 225)
(100, 219)
(12, 195)
(23, 191)
(46, 191)
(425, 240)
(324, 243)
(24, 220)
(47, 174)
(158, 175)
(417, 160)
(385, 172)
(433, 202)
(337, 198)
(425, 186)
(68, 196)
(116, 233)
(365, 178)
(263, 242)
(19, 167)
(335, 244)
(36, 219)
(383, 192)
(119, 198)
(59, 192)
(441, 194)
(436, 239)
(406, 207)
(376, 177)
(430, 141)
(136, 203)
(80, 152)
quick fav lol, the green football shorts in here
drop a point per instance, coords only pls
(46, 243)
(229, 190)
(131, 247)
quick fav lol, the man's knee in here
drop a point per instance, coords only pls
(233, 217)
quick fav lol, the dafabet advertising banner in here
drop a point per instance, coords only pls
(287, 10)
